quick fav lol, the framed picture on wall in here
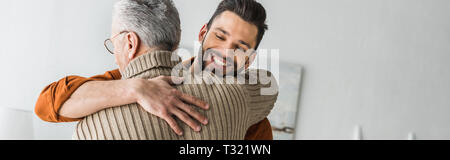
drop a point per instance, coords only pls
(283, 117)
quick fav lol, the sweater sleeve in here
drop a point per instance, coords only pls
(56, 94)
(262, 88)
(260, 131)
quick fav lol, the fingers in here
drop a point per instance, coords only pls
(186, 119)
(193, 100)
(192, 112)
(172, 79)
(185, 97)
(164, 114)
(173, 124)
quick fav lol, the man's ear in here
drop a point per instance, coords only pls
(132, 42)
(202, 34)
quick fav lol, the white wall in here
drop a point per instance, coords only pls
(45, 40)
(382, 64)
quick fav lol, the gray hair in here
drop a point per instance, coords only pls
(156, 22)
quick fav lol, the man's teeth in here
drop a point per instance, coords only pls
(219, 62)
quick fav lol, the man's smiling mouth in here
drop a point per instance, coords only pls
(218, 61)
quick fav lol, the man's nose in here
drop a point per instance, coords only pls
(227, 48)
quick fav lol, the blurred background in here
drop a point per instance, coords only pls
(361, 69)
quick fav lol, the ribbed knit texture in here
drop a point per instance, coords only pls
(233, 108)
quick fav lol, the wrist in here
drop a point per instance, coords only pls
(134, 87)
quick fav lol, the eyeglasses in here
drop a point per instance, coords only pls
(109, 43)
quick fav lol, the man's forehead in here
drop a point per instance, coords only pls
(231, 24)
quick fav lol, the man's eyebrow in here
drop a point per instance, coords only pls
(240, 41)
(223, 31)
(245, 43)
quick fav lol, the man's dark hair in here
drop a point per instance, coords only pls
(249, 10)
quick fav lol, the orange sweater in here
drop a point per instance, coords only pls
(53, 97)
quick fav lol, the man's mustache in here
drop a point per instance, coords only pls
(216, 53)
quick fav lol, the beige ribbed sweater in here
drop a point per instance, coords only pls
(233, 108)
